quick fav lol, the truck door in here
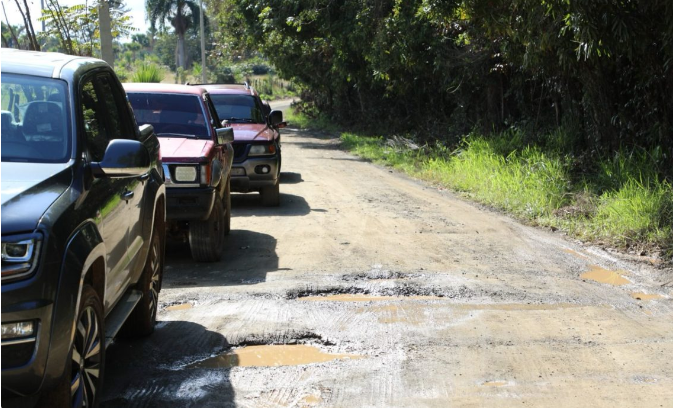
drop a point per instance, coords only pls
(109, 195)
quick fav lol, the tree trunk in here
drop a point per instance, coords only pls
(181, 50)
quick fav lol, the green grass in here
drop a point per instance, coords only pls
(147, 72)
(622, 201)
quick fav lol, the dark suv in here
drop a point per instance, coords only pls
(83, 215)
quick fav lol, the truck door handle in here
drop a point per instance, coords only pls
(127, 195)
(144, 177)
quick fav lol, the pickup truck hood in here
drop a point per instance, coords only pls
(247, 132)
(28, 190)
(181, 149)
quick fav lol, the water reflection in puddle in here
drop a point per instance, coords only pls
(601, 275)
(271, 356)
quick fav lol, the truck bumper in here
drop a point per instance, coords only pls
(254, 174)
(189, 204)
(24, 361)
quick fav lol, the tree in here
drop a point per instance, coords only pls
(78, 27)
(181, 14)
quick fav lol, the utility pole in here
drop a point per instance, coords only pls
(43, 22)
(203, 44)
(105, 32)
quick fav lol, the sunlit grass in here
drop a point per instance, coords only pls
(147, 72)
(623, 203)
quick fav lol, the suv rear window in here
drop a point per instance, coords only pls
(170, 114)
(35, 125)
(238, 108)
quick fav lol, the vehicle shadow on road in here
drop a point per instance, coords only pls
(290, 178)
(250, 205)
(159, 371)
(246, 259)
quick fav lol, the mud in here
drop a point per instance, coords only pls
(461, 307)
(271, 356)
(601, 275)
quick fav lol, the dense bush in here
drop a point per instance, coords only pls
(601, 69)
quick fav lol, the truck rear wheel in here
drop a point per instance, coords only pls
(206, 238)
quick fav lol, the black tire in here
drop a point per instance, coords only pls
(227, 208)
(83, 376)
(206, 238)
(143, 318)
(271, 195)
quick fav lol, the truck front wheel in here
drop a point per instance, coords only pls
(80, 384)
(206, 238)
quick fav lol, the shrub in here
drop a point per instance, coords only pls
(147, 72)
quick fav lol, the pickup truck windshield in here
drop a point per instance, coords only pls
(35, 125)
(237, 108)
(170, 114)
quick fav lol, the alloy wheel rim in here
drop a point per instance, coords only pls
(86, 359)
(155, 264)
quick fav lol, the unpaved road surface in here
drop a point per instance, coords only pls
(369, 289)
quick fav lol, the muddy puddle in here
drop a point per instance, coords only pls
(646, 296)
(601, 275)
(272, 356)
(347, 297)
(182, 306)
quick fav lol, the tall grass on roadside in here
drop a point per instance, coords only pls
(527, 183)
(147, 72)
(624, 202)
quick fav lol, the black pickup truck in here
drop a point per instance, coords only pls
(83, 226)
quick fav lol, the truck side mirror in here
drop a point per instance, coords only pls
(225, 135)
(275, 118)
(123, 158)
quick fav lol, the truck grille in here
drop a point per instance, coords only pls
(240, 150)
(17, 355)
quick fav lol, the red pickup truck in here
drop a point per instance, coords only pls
(197, 155)
(257, 149)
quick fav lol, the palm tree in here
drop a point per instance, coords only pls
(181, 14)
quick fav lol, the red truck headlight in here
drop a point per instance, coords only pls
(262, 150)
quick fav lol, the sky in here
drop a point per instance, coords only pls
(136, 7)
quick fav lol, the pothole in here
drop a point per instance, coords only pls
(407, 291)
(181, 306)
(646, 296)
(272, 356)
(380, 274)
(601, 275)
(287, 338)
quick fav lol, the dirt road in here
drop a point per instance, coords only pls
(368, 289)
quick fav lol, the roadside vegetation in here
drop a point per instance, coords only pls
(558, 112)
(619, 200)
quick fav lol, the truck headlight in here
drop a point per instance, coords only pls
(19, 256)
(184, 174)
(262, 150)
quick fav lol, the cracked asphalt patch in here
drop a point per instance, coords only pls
(368, 289)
